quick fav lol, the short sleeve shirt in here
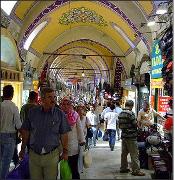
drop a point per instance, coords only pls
(45, 128)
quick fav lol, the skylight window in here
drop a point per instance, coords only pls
(123, 34)
(33, 35)
(7, 6)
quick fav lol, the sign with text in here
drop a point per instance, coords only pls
(157, 83)
(156, 59)
(163, 103)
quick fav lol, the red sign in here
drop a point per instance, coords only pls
(163, 103)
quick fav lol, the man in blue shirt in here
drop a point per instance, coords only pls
(47, 127)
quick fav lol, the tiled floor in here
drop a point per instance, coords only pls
(106, 164)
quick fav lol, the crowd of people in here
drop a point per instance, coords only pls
(51, 131)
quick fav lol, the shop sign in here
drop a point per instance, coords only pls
(163, 103)
(156, 59)
(157, 83)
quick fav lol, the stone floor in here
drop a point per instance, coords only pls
(106, 164)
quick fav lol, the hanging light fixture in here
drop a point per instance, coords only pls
(162, 9)
(151, 22)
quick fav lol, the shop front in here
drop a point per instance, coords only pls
(11, 67)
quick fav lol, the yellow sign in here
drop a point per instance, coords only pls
(157, 83)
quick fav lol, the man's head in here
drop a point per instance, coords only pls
(112, 106)
(91, 108)
(8, 92)
(129, 104)
(146, 106)
(33, 97)
(48, 98)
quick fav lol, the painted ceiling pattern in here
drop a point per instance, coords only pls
(82, 14)
(64, 14)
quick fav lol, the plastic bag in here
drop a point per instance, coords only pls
(87, 158)
(105, 137)
(65, 171)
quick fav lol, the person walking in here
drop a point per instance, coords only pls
(47, 127)
(118, 110)
(95, 123)
(111, 121)
(128, 125)
(75, 136)
(9, 123)
(32, 102)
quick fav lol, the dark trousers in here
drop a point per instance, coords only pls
(15, 156)
(73, 163)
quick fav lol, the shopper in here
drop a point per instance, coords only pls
(32, 102)
(128, 125)
(45, 124)
(9, 122)
(111, 121)
(95, 123)
(75, 136)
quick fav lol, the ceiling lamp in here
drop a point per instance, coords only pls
(83, 74)
(151, 22)
(162, 9)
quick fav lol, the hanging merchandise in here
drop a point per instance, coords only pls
(166, 45)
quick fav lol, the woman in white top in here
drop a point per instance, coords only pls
(75, 137)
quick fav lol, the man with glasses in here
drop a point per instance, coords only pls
(46, 125)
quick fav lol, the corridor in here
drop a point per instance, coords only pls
(106, 164)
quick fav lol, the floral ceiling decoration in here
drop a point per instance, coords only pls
(82, 14)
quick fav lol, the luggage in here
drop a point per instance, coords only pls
(21, 171)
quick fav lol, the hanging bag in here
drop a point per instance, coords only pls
(87, 158)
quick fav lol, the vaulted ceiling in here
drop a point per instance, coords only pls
(103, 29)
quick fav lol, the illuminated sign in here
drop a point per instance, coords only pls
(156, 59)
(163, 104)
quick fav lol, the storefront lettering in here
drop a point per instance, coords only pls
(157, 60)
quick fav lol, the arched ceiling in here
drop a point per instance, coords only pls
(83, 27)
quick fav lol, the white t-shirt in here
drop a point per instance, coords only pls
(111, 118)
(93, 118)
(84, 123)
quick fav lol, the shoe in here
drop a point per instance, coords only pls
(125, 171)
(112, 147)
(140, 173)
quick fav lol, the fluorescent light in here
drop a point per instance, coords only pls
(83, 74)
(7, 6)
(33, 35)
(151, 23)
(161, 11)
(122, 33)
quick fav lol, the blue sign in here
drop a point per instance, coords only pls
(156, 58)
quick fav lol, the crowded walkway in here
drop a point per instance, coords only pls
(106, 164)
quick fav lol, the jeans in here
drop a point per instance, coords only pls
(7, 147)
(94, 136)
(112, 135)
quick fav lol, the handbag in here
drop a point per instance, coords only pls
(21, 171)
(87, 158)
(89, 132)
(105, 136)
